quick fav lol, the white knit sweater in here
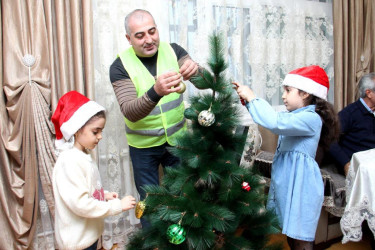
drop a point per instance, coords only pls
(80, 208)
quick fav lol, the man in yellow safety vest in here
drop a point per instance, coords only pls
(146, 79)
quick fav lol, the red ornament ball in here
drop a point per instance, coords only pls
(246, 186)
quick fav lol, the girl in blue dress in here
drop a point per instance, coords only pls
(296, 190)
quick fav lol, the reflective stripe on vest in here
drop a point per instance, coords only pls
(157, 132)
(166, 120)
(167, 106)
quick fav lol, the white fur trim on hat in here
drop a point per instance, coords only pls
(62, 145)
(79, 118)
(306, 84)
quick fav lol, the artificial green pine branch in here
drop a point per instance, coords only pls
(204, 194)
(216, 59)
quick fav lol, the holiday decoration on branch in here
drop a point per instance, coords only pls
(206, 118)
(139, 209)
(176, 234)
(205, 186)
(246, 186)
(243, 102)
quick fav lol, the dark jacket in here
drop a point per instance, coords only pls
(357, 132)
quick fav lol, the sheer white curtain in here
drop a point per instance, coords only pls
(264, 40)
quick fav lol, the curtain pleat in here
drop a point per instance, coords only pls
(45, 53)
(44, 141)
(354, 46)
(19, 199)
(88, 47)
(70, 42)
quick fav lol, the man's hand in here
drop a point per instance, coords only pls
(188, 69)
(166, 81)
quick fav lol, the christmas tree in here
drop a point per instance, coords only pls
(209, 201)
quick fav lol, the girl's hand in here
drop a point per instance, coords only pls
(128, 202)
(110, 196)
(244, 92)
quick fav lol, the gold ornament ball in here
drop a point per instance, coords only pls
(182, 86)
(139, 209)
(206, 118)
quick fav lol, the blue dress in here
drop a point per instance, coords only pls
(296, 190)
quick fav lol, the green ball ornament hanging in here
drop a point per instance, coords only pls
(206, 118)
(176, 234)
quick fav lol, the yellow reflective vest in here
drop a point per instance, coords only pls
(166, 121)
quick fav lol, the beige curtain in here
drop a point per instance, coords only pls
(354, 46)
(46, 51)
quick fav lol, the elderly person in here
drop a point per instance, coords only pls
(357, 122)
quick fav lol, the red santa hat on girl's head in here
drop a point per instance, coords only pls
(312, 79)
(72, 112)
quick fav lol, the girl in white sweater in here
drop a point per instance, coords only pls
(80, 201)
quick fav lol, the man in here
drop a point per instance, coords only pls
(357, 122)
(145, 79)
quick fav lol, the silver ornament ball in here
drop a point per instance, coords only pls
(206, 118)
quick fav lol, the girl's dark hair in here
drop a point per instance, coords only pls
(100, 114)
(330, 128)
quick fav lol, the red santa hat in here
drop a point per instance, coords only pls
(312, 79)
(72, 112)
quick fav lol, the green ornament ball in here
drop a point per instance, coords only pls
(176, 234)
